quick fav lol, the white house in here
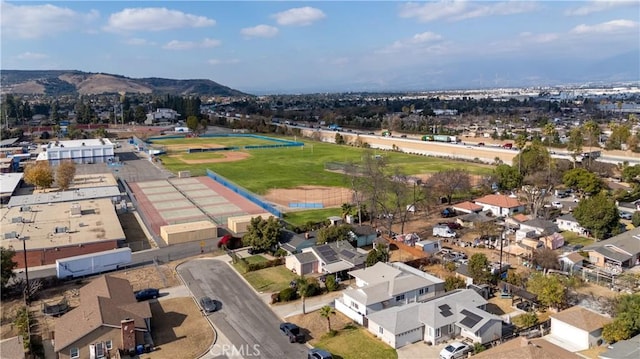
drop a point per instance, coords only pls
(500, 205)
(456, 313)
(577, 328)
(384, 286)
(568, 222)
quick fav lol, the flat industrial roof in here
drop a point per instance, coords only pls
(65, 196)
(8, 141)
(94, 180)
(9, 182)
(98, 222)
(79, 143)
(187, 227)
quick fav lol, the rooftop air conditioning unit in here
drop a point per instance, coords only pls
(25, 209)
(59, 230)
(10, 235)
(16, 220)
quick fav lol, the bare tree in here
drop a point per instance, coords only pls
(450, 182)
(546, 258)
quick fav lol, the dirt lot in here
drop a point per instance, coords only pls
(315, 326)
(179, 329)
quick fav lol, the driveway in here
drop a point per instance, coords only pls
(420, 350)
(244, 321)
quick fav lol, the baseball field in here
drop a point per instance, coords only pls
(284, 174)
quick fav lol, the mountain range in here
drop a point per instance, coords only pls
(72, 82)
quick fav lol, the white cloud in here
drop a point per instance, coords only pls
(32, 56)
(301, 16)
(188, 45)
(597, 6)
(34, 21)
(460, 10)
(222, 61)
(613, 26)
(539, 38)
(260, 31)
(416, 41)
(137, 41)
(154, 19)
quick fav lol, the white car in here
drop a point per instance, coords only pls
(455, 350)
(626, 215)
(556, 204)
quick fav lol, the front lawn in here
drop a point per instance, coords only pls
(256, 259)
(355, 343)
(273, 279)
(300, 218)
(573, 239)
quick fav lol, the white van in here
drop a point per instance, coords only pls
(443, 231)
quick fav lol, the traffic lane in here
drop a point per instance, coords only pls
(244, 318)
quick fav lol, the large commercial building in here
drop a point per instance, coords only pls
(85, 151)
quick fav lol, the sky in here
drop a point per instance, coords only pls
(330, 46)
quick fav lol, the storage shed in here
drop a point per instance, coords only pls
(188, 232)
(239, 224)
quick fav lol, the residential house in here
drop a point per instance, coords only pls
(12, 348)
(463, 272)
(295, 242)
(571, 262)
(540, 226)
(327, 258)
(616, 253)
(108, 319)
(467, 207)
(624, 349)
(456, 313)
(524, 348)
(363, 235)
(384, 286)
(577, 328)
(471, 219)
(500, 205)
(552, 241)
(567, 222)
(161, 115)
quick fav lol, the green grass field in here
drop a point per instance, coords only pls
(355, 343)
(295, 166)
(272, 279)
(299, 218)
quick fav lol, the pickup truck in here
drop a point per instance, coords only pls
(292, 331)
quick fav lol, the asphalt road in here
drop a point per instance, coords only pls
(244, 319)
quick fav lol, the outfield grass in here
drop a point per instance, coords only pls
(272, 279)
(315, 215)
(290, 167)
(355, 343)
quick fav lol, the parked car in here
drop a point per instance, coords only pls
(148, 293)
(626, 215)
(208, 305)
(556, 204)
(292, 331)
(480, 143)
(455, 350)
(319, 354)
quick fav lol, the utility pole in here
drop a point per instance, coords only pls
(27, 290)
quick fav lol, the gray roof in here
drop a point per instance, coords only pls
(568, 217)
(294, 242)
(434, 316)
(476, 217)
(380, 272)
(9, 182)
(65, 196)
(545, 225)
(398, 320)
(628, 241)
(363, 230)
(8, 141)
(625, 349)
(305, 257)
(620, 257)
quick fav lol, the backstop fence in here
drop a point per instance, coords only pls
(244, 193)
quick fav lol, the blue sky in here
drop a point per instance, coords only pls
(286, 46)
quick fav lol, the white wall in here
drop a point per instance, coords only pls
(382, 334)
(344, 308)
(578, 338)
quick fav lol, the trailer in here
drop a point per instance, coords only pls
(438, 138)
(93, 263)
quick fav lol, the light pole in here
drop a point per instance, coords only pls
(27, 291)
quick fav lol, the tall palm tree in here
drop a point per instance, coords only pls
(326, 312)
(303, 286)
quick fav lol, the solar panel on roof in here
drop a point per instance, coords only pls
(347, 253)
(470, 319)
(445, 310)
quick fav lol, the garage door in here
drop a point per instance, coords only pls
(409, 337)
(307, 268)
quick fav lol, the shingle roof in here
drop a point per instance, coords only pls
(469, 206)
(625, 349)
(305, 257)
(12, 348)
(537, 349)
(499, 200)
(104, 301)
(399, 319)
(582, 318)
(628, 241)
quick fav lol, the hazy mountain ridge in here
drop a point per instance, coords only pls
(72, 82)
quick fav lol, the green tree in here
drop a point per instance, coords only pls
(65, 173)
(262, 234)
(549, 131)
(139, 114)
(627, 319)
(326, 313)
(526, 320)
(619, 135)
(574, 145)
(478, 268)
(507, 177)
(599, 215)
(592, 133)
(7, 265)
(379, 254)
(331, 283)
(334, 233)
(635, 219)
(549, 289)
(39, 174)
(100, 133)
(193, 123)
(452, 282)
(582, 180)
(533, 159)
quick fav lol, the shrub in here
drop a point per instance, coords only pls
(287, 295)
(526, 320)
(262, 265)
(450, 266)
(330, 283)
(275, 298)
(478, 347)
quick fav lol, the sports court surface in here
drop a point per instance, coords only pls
(184, 200)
